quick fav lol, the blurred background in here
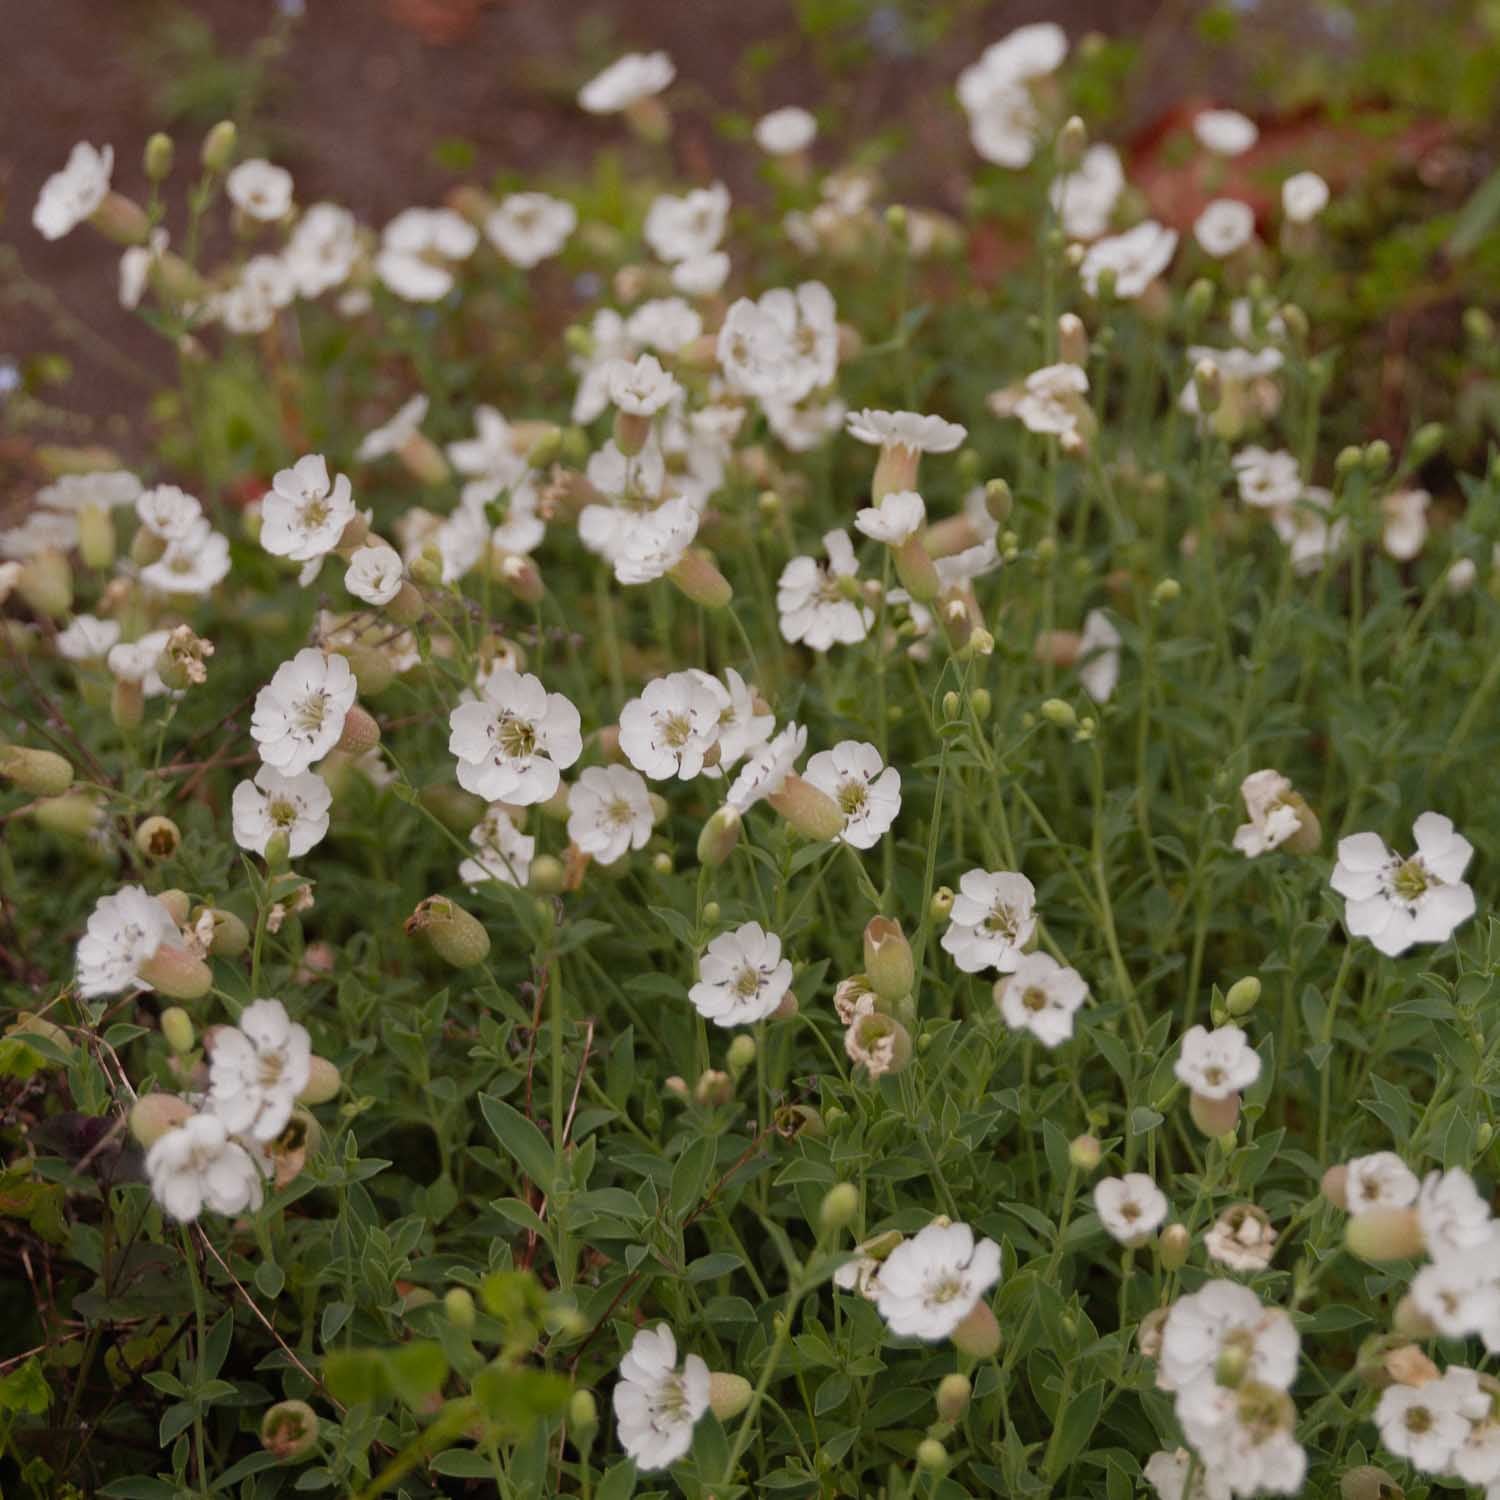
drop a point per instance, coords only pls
(379, 104)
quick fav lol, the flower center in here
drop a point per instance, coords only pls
(517, 738)
(853, 794)
(311, 711)
(945, 1290)
(314, 512)
(747, 983)
(1034, 999)
(1412, 879)
(270, 1069)
(282, 814)
(676, 730)
(1001, 922)
(1419, 1420)
(618, 812)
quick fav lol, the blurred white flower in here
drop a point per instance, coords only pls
(626, 81)
(124, 932)
(528, 228)
(260, 190)
(70, 196)
(785, 131)
(198, 1166)
(257, 1069)
(1224, 226)
(1225, 132)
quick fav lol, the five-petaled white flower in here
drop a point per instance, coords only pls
(260, 190)
(299, 715)
(1396, 901)
(1215, 1064)
(742, 977)
(257, 1069)
(609, 812)
(124, 932)
(527, 228)
(868, 791)
(992, 920)
(1131, 1208)
(515, 739)
(1042, 997)
(930, 1283)
(304, 514)
(820, 606)
(375, 573)
(671, 728)
(271, 804)
(656, 1404)
(198, 1166)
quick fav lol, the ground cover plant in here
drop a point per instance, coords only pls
(843, 877)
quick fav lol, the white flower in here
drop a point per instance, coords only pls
(1220, 1315)
(249, 305)
(1030, 51)
(1051, 401)
(257, 1069)
(1130, 1208)
(626, 81)
(393, 435)
(1041, 997)
(1427, 1424)
(701, 275)
(41, 531)
(656, 1405)
(260, 190)
(304, 514)
(669, 730)
(782, 347)
(1085, 198)
(1241, 1238)
(136, 265)
(609, 812)
(1274, 818)
(992, 920)
(1135, 259)
(418, 249)
(193, 564)
(1310, 537)
(299, 715)
(1099, 656)
(104, 489)
(296, 806)
(374, 574)
(1303, 197)
(867, 791)
(1396, 902)
(642, 388)
(686, 228)
(1460, 1294)
(1380, 1180)
(899, 516)
(527, 228)
(786, 131)
(1224, 226)
(322, 249)
(1003, 125)
(742, 977)
(197, 1166)
(743, 727)
(814, 603)
(168, 512)
(665, 323)
(1267, 480)
(1225, 132)
(1404, 531)
(124, 932)
(514, 741)
(70, 196)
(1215, 1064)
(1167, 1474)
(765, 773)
(505, 853)
(135, 661)
(905, 429)
(1245, 1436)
(87, 638)
(1453, 1216)
(930, 1283)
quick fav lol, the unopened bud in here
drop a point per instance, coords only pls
(728, 1394)
(741, 1054)
(153, 1115)
(1348, 460)
(1384, 1234)
(158, 157)
(455, 935)
(177, 1029)
(74, 816)
(1243, 996)
(218, 146)
(998, 501)
(1060, 713)
(932, 1456)
(1072, 142)
(978, 1335)
(45, 582)
(458, 1303)
(158, 837)
(1214, 1117)
(719, 836)
(941, 903)
(583, 1419)
(1168, 591)
(1085, 1152)
(1369, 1483)
(1072, 340)
(1377, 457)
(1208, 385)
(699, 578)
(361, 732)
(888, 959)
(176, 973)
(810, 810)
(548, 875)
(1199, 300)
(953, 1395)
(713, 1088)
(840, 1207)
(289, 1430)
(323, 1082)
(96, 536)
(1425, 442)
(980, 700)
(711, 913)
(1172, 1247)
(43, 773)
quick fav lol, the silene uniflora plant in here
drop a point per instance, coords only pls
(839, 879)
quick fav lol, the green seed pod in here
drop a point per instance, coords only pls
(455, 935)
(839, 1208)
(40, 772)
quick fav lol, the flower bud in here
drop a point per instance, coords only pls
(177, 1029)
(289, 1430)
(1243, 996)
(323, 1082)
(661, 862)
(1060, 713)
(1384, 1234)
(176, 973)
(953, 1395)
(1425, 442)
(978, 1335)
(1369, 1483)
(1173, 1245)
(361, 732)
(158, 157)
(1168, 591)
(932, 1456)
(1072, 340)
(45, 582)
(455, 936)
(711, 914)
(74, 816)
(44, 773)
(548, 876)
(839, 1208)
(1208, 384)
(1348, 460)
(458, 1303)
(728, 1394)
(998, 501)
(96, 536)
(699, 578)
(218, 146)
(1199, 300)
(1377, 457)
(812, 812)
(1084, 1153)
(1072, 142)
(153, 1115)
(1214, 1117)
(741, 1054)
(719, 836)
(981, 702)
(158, 837)
(941, 903)
(888, 959)
(713, 1089)
(1335, 1186)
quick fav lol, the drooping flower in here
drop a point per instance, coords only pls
(1396, 901)
(257, 1069)
(742, 977)
(503, 852)
(293, 806)
(931, 1282)
(1042, 997)
(609, 812)
(70, 196)
(656, 1404)
(513, 741)
(299, 715)
(198, 1166)
(992, 920)
(868, 791)
(626, 81)
(1131, 1208)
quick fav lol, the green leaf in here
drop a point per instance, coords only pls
(1079, 1418)
(691, 1174)
(618, 1482)
(463, 1463)
(517, 1135)
(25, 1390)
